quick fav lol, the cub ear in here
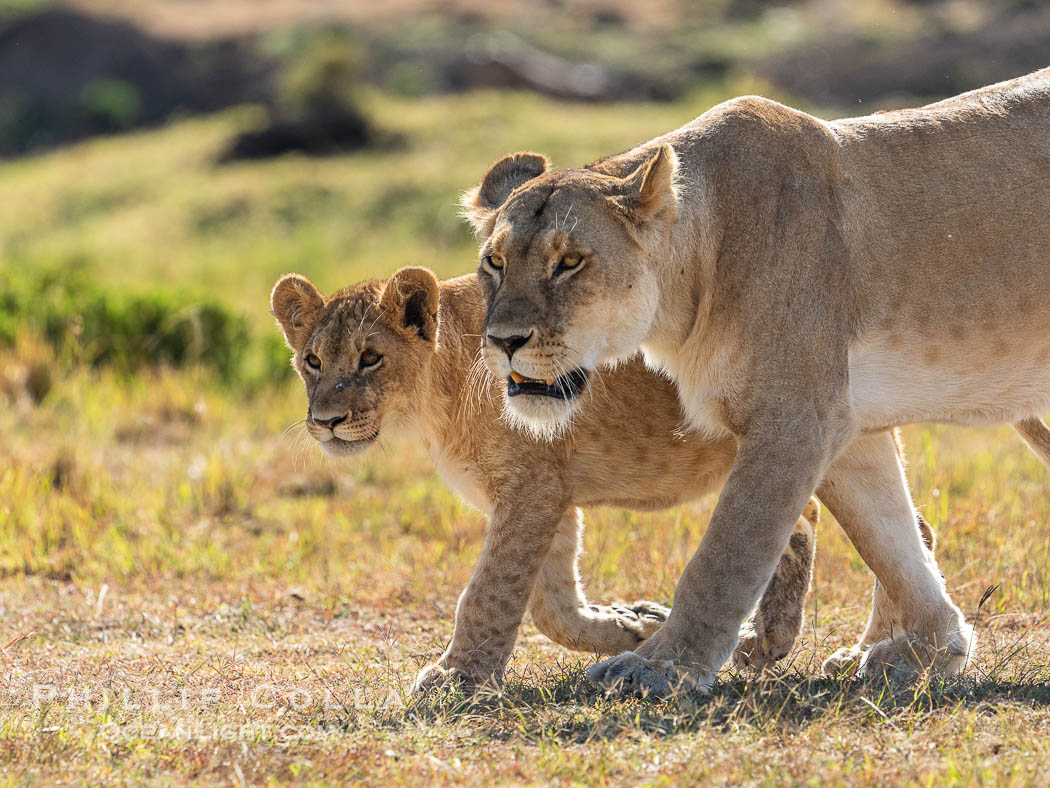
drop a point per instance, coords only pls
(650, 189)
(481, 203)
(411, 296)
(296, 303)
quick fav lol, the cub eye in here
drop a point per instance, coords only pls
(313, 362)
(369, 359)
(568, 263)
(493, 263)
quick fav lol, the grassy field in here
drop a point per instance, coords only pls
(191, 594)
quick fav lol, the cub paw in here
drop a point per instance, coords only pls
(641, 618)
(437, 677)
(760, 650)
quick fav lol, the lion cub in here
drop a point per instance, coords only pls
(405, 353)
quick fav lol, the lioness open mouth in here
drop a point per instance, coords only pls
(566, 387)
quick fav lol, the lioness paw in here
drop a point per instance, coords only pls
(631, 674)
(843, 662)
(903, 658)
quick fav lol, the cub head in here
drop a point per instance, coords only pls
(361, 353)
(566, 274)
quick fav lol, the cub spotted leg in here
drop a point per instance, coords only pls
(770, 633)
(561, 611)
(491, 607)
(914, 625)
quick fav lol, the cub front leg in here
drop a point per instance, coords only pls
(778, 464)
(491, 607)
(561, 611)
(771, 632)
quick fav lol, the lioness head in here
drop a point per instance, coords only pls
(564, 274)
(360, 353)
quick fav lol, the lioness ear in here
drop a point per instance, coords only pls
(481, 203)
(650, 189)
(295, 302)
(412, 297)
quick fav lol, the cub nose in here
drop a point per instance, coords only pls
(331, 423)
(511, 344)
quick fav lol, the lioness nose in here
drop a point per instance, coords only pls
(511, 344)
(331, 423)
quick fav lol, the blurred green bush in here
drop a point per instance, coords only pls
(111, 104)
(322, 79)
(87, 325)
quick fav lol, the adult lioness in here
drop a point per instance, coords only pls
(807, 285)
(405, 352)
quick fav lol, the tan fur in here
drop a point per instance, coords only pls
(429, 379)
(806, 284)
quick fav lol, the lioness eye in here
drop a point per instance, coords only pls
(568, 263)
(369, 359)
(313, 362)
(495, 263)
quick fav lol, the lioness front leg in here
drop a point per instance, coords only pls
(491, 607)
(561, 611)
(778, 464)
(914, 625)
(771, 631)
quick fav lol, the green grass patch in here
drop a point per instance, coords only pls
(129, 330)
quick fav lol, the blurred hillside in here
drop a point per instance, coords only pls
(166, 160)
(99, 66)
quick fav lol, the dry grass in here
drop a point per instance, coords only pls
(187, 595)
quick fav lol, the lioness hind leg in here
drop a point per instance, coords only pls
(561, 611)
(914, 625)
(770, 633)
(1036, 435)
(847, 660)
